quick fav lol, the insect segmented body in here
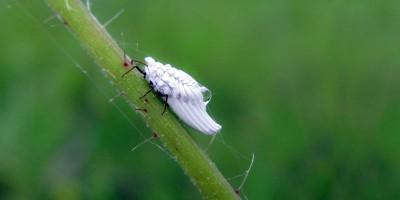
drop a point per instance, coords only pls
(182, 93)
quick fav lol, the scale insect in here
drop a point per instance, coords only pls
(180, 91)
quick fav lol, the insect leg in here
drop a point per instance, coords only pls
(165, 105)
(151, 89)
(140, 70)
(129, 70)
(133, 63)
(142, 109)
(137, 61)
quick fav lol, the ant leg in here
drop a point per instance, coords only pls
(165, 105)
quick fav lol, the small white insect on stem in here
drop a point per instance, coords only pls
(182, 93)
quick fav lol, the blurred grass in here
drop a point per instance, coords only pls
(311, 87)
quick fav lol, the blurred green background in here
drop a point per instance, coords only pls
(311, 87)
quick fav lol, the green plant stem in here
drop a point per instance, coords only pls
(105, 51)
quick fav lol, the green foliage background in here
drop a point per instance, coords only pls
(311, 87)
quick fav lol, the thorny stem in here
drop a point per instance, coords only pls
(105, 51)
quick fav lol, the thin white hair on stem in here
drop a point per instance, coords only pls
(122, 41)
(233, 150)
(88, 5)
(163, 150)
(47, 20)
(237, 176)
(142, 143)
(246, 175)
(154, 136)
(67, 5)
(119, 13)
(211, 142)
(245, 196)
(85, 72)
(137, 46)
(112, 99)
(239, 190)
(120, 110)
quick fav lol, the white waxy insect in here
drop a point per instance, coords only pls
(182, 93)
